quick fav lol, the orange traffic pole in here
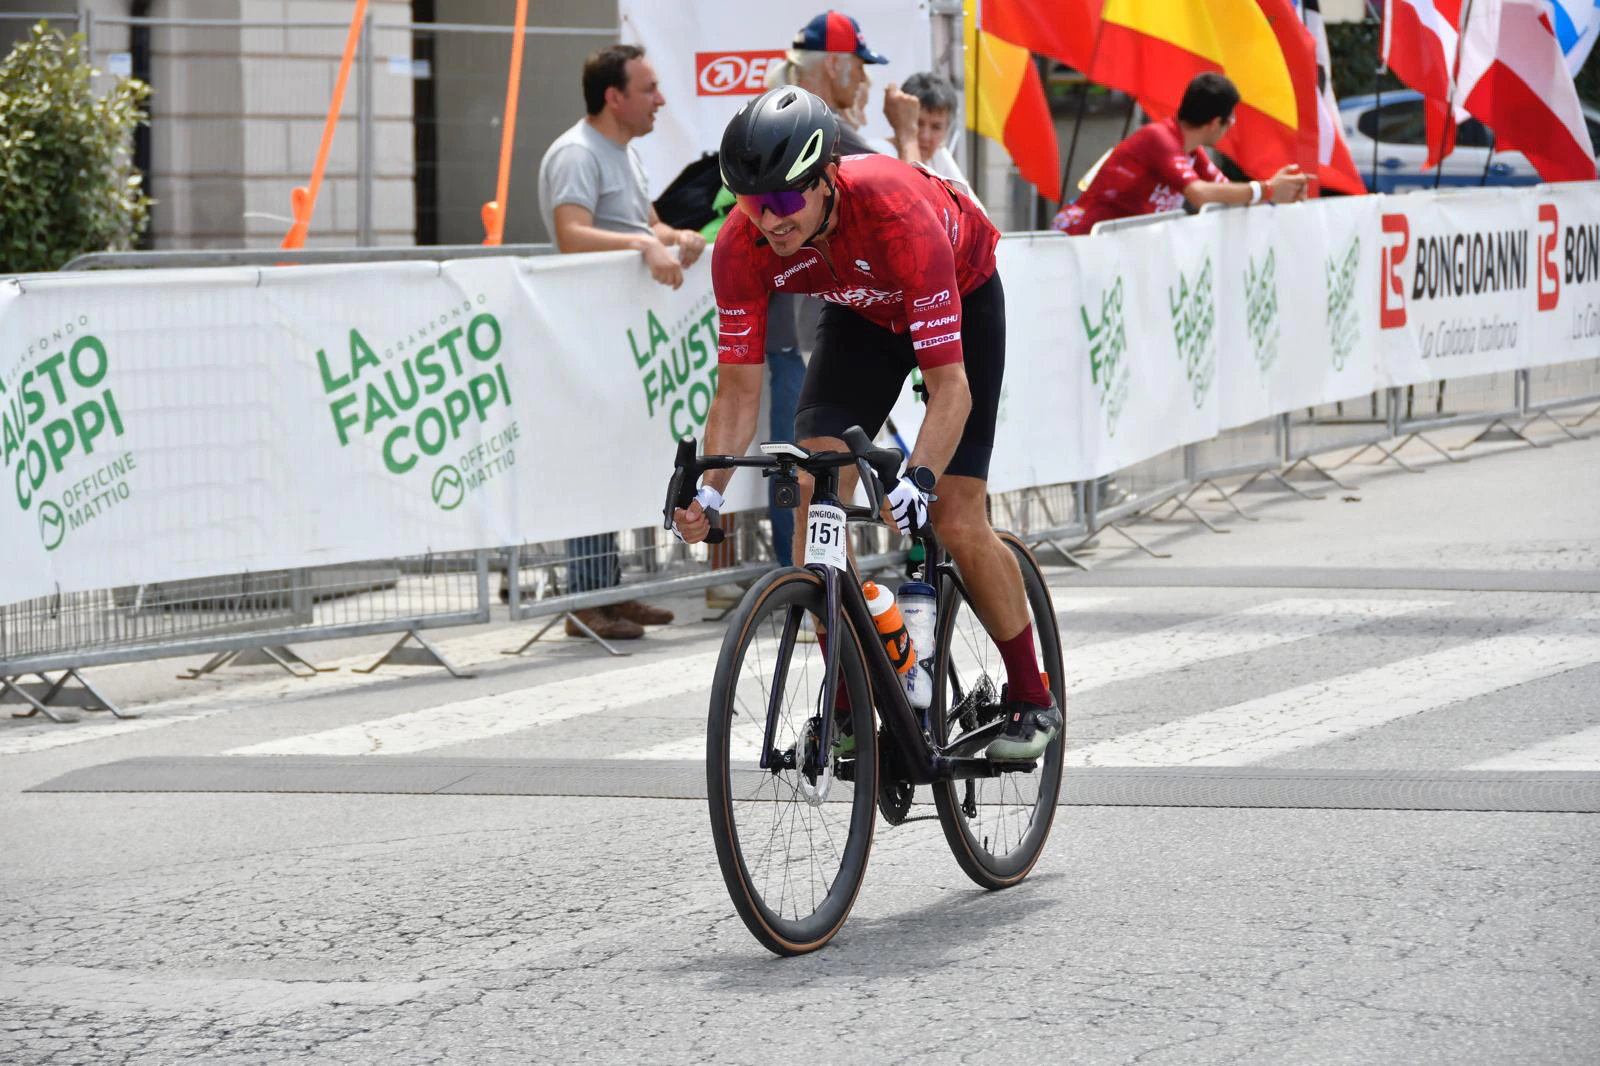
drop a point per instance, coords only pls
(303, 199)
(494, 212)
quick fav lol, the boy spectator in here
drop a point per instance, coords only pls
(1164, 165)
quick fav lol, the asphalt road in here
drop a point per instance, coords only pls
(1403, 682)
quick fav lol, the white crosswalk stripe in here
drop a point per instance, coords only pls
(1314, 714)
(507, 712)
(1576, 751)
(1253, 629)
(1243, 733)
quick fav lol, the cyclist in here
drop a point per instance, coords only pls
(906, 264)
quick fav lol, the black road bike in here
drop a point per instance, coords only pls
(795, 774)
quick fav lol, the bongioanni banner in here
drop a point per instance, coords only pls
(164, 425)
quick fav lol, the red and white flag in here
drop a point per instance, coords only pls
(1513, 78)
(1335, 168)
(1419, 45)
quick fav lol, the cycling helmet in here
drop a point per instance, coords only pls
(780, 140)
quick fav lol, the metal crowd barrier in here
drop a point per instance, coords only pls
(244, 619)
(226, 257)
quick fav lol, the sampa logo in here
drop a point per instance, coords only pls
(1549, 278)
(733, 73)
(1392, 300)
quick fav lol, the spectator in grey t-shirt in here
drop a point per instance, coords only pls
(593, 191)
(594, 196)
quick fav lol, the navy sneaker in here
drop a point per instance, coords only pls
(1028, 731)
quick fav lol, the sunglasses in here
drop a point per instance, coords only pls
(783, 204)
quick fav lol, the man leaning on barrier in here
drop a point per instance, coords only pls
(1164, 165)
(594, 196)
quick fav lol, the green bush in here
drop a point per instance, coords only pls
(1353, 51)
(67, 182)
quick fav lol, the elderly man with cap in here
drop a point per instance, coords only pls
(829, 58)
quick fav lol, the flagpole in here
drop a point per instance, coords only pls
(1094, 53)
(1072, 149)
(980, 183)
(1484, 180)
(1450, 103)
(1377, 88)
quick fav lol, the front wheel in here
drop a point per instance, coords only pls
(995, 826)
(792, 840)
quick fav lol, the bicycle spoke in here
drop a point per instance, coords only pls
(793, 841)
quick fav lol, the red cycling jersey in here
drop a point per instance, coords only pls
(907, 247)
(1145, 173)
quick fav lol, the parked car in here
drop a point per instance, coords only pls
(1400, 132)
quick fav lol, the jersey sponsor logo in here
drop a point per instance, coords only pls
(933, 342)
(726, 332)
(730, 311)
(935, 323)
(938, 299)
(952, 226)
(733, 73)
(861, 297)
(779, 279)
(863, 266)
(1165, 198)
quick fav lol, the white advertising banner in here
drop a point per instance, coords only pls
(1040, 422)
(628, 368)
(178, 424)
(1147, 314)
(725, 48)
(1565, 321)
(1295, 328)
(164, 425)
(1456, 286)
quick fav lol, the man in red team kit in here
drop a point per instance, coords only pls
(906, 264)
(1164, 165)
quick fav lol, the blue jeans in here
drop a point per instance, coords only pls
(594, 563)
(788, 371)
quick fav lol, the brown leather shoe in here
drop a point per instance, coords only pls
(642, 613)
(606, 626)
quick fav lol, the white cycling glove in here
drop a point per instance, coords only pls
(708, 498)
(909, 505)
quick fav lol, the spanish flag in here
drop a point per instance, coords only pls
(1005, 102)
(1152, 48)
(1061, 29)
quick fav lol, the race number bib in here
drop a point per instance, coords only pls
(825, 536)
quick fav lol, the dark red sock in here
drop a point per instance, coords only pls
(1022, 668)
(841, 701)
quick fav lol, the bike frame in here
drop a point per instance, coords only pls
(922, 762)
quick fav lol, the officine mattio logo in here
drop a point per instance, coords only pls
(448, 488)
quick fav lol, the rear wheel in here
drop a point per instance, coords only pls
(792, 840)
(996, 826)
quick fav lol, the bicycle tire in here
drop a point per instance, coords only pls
(741, 794)
(965, 807)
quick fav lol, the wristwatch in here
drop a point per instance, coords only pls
(923, 478)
